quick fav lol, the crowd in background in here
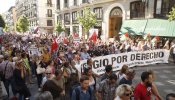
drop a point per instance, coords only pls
(57, 77)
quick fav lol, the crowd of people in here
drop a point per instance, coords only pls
(57, 77)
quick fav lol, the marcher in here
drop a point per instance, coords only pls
(143, 90)
(106, 88)
(170, 96)
(123, 92)
(19, 80)
(108, 72)
(7, 67)
(83, 92)
(130, 73)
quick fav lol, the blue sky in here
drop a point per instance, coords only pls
(5, 5)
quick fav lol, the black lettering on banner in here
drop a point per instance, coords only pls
(143, 57)
(138, 56)
(132, 57)
(84, 65)
(113, 59)
(151, 55)
(161, 54)
(156, 54)
(119, 59)
(124, 58)
(147, 56)
(105, 62)
(96, 64)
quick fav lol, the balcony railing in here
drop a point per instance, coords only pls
(50, 15)
(66, 5)
(49, 5)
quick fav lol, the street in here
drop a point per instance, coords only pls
(165, 78)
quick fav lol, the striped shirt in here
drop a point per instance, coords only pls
(9, 68)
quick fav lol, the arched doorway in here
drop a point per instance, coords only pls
(115, 22)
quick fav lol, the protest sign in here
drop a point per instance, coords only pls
(33, 51)
(130, 58)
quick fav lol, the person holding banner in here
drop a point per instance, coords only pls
(84, 54)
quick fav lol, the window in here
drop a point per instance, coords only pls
(66, 4)
(58, 4)
(49, 2)
(75, 29)
(116, 12)
(137, 9)
(49, 23)
(74, 17)
(99, 12)
(162, 8)
(84, 1)
(67, 18)
(158, 8)
(59, 18)
(49, 12)
(75, 2)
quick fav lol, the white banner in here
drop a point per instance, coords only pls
(131, 59)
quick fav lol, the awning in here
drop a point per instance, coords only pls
(155, 27)
(160, 27)
(133, 27)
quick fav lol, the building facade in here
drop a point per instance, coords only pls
(110, 13)
(39, 12)
(10, 19)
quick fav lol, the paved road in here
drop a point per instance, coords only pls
(165, 78)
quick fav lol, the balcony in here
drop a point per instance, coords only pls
(50, 15)
(85, 1)
(49, 5)
(66, 5)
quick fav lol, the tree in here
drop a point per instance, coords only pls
(59, 28)
(171, 15)
(6, 28)
(22, 24)
(87, 20)
(2, 22)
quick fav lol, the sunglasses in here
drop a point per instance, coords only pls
(48, 73)
(128, 94)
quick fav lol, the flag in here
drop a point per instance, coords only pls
(65, 41)
(126, 34)
(54, 46)
(36, 30)
(93, 37)
(75, 35)
(157, 38)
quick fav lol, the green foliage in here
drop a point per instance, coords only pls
(171, 15)
(87, 20)
(22, 24)
(2, 22)
(6, 29)
(59, 28)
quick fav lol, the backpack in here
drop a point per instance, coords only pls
(77, 91)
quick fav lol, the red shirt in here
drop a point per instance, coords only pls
(142, 92)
